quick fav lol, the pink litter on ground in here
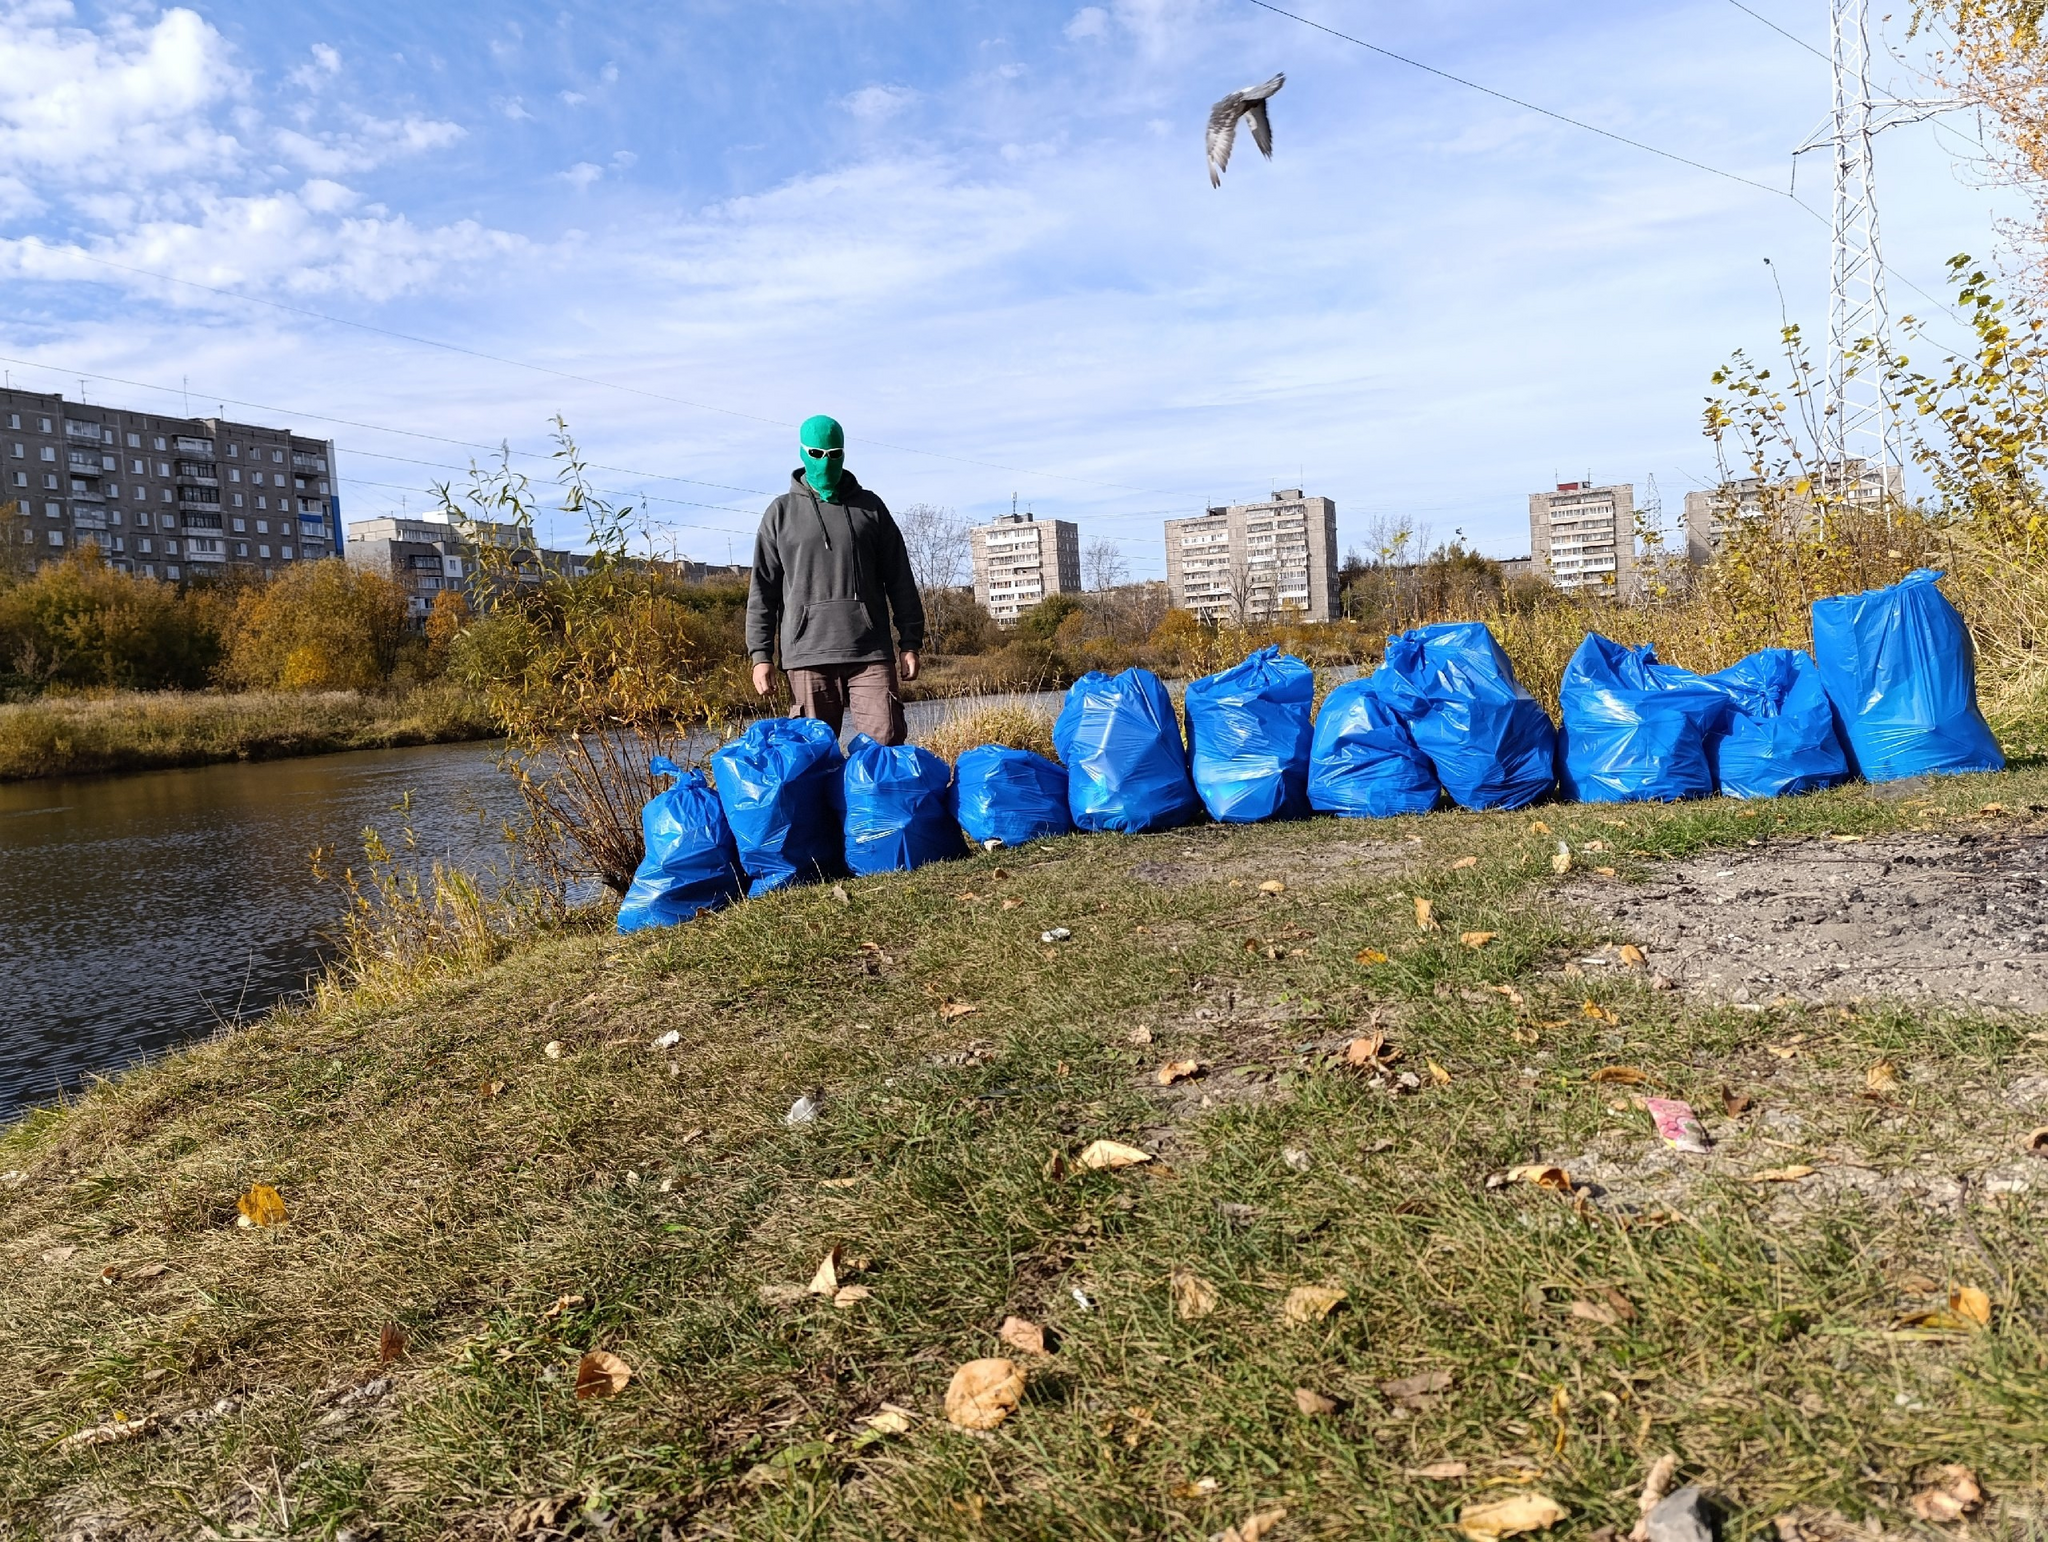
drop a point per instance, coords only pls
(1679, 1127)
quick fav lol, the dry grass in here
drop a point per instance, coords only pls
(508, 1210)
(1017, 726)
(139, 731)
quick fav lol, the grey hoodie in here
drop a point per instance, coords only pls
(828, 577)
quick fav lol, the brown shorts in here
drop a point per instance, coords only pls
(827, 692)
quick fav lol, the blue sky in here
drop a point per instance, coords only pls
(980, 234)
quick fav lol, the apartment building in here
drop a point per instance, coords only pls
(426, 556)
(1584, 537)
(1712, 513)
(171, 498)
(1020, 559)
(1256, 561)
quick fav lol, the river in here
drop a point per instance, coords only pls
(141, 912)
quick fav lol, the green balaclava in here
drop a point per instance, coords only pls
(823, 443)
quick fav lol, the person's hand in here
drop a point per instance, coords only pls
(764, 674)
(910, 663)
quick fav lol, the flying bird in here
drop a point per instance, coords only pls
(1248, 103)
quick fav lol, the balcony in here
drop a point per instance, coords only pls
(73, 429)
(308, 462)
(192, 521)
(185, 445)
(207, 498)
(204, 473)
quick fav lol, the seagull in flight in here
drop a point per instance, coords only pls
(1248, 103)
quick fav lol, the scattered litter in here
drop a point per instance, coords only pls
(1677, 1126)
(982, 1393)
(1252, 1527)
(840, 895)
(891, 1420)
(1057, 934)
(110, 1433)
(1780, 1174)
(1561, 863)
(1952, 1495)
(1297, 1157)
(1542, 1175)
(1141, 1036)
(1681, 1516)
(670, 1039)
(552, 1049)
(802, 1111)
(1442, 1471)
(1081, 1298)
(261, 1206)
(13, 1178)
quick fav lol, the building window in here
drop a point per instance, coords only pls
(144, 544)
(163, 467)
(240, 524)
(21, 479)
(262, 502)
(54, 510)
(241, 548)
(262, 551)
(158, 442)
(237, 497)
(20, 450)
(166, 495)
(285, 552)
(56, 538)
(234, 452)
(170, 547)
(234, 473)
(171, 571)
(14, 420)
(47, 452)
(120, 545)
(135, 443)
(278, 456)
(43, 424)
(113, 516)
(135, 465)
(262, 525)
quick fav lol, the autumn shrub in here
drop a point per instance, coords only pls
(319, 626)
(79, 624)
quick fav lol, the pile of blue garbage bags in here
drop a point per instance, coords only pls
(1889, 691)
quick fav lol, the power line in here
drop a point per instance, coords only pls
(1788, 36)
(1577, 123)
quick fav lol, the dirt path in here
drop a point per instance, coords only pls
(1961, 918)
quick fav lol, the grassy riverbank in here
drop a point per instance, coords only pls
(151, 730)
(504, 1167)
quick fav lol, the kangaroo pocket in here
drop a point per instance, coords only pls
(835, 628)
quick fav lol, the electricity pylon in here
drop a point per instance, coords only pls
(1861, 421)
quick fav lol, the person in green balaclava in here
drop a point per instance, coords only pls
(831, 580)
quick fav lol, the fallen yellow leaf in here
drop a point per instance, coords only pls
(390, 1343)
(838, 1183)
(1178, 1070)
(890, 1421)
(1313, 1403)
(1372, 1050)
(1476, 939)
(1418, 1393)
(552, 1049)
(826, 1281)
(1441, 1470)
(1538, 827)
(1111, 1154)
(1193, 1296)
(1780, 1175)
(950, 1009)
(1630, 955)
(982, 1393)
(1252, 1527)
(1783, 1051)
(1369, 956)
(1561, 863)
(1509, 1516)
(1971, 1305)
(1022, 1335)
(1423, 916)
(1627, 1075)
(1544, 1175)
(489, 1089)
(1596, 1312)
(261, 1206)
(1141, 1036)
(1310, 1303)
(1272, 886)
(1438, 1074)
(1464, 862)
(849, 1295)
(1881, 1078)
(601, 1374)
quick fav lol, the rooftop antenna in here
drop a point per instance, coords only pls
(1860, 421)
(185, 384)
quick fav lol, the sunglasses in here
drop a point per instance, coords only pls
(821, 454)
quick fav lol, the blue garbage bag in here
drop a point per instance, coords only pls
(1898, 665)
(691, 863)
(1127, 768)
(1779, 735)
(1248, 735)
(899, 814)
(780, 783)
(1491, 742)
(1363, 762)
(1632, 730)
(1009, 796)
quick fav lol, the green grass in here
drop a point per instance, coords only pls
(664, 1190)
(150, 730)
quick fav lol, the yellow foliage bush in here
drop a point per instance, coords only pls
(322, 626)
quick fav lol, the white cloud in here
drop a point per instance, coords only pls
(371, 142)
(609, 74)
(515, 109)
(1089, 21)
(573, 98)
(623, 158)
(326, 62)
(122, 107)
(582, 174)
(876, 104)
